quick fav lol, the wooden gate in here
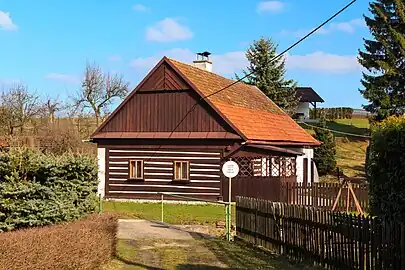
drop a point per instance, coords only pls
(260, 177)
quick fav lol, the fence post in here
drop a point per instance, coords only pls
(162, 208)
(256, 226)
(228, 221)
(100, 204)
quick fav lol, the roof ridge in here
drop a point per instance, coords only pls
(230, 80)
(208, 72)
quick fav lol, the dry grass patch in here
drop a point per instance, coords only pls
(84, 244)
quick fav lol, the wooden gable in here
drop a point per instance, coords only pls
(164, 78)
(159, 104)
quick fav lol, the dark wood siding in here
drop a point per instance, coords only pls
(204, 179)
(164, 78)
(162, 112)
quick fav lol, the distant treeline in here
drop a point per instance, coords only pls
(331, 113)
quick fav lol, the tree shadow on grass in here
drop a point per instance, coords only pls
(197, 267)
(351, 129)
(194, 235)
(238, 255)
(132, 263)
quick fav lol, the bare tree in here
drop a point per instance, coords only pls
(99, 91)
(18, 108)
(52, 105)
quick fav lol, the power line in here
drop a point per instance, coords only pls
(335, 131)
(289, 48)
(271, 60)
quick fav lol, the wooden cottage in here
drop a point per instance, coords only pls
(145, 147)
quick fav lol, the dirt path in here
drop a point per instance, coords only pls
(152, 245)
(131, 229)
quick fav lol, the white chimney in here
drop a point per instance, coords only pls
(203, 61)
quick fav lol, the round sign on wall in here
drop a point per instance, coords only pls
(230, 169)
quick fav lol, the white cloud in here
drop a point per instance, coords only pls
(65, 78)
(168, 30)
(6, 22)
(183, 55)
(323, 62)
(231, 62)
(270, 6)
(225, 64)
(114, 58)
(140, 8)
(349, 27)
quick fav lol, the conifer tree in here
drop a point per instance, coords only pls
(384, 59)
(325, 154)
(269, 75)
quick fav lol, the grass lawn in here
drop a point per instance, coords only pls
(194, 254)
(354, 126)
(173, 213)
(350, 151)
(351, 157)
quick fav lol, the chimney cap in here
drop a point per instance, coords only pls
(205, 54)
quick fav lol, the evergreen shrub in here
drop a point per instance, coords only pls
(39, 189)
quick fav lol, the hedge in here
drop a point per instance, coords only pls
(331, 113)
(38, 189)
(385, 169)
(84, 244)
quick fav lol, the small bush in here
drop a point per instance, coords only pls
(83, 244)
(38, 189)
(325, 154)
(385, 169)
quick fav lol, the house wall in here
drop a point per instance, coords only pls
(204, 179)
(163, 111)
(309, 154)
(303, 107)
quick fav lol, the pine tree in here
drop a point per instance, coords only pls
(384, 59)
(325, 154)
(269, 75)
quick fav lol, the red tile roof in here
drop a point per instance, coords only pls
(247, 108)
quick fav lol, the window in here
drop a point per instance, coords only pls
(136, 169)
(181, 170)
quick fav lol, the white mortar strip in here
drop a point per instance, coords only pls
(205, 165)
(164, 152)
(159, 168)
(163, 157)
(204, 175)
(162, 186)
(176, 193)
(204, 170)
(166, 180)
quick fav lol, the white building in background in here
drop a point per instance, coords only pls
(308, 97)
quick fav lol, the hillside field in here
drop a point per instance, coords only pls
(350, 150)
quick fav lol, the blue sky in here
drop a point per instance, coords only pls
(46, 44)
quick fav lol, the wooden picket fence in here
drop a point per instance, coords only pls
(330, 239)
(322, 195)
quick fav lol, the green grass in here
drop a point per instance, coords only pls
(350, 151)
(352, 126)
(194, 254)
(173, 213)
(359, 123)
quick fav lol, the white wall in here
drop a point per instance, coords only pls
(303, 107)
(309, 154)
(101, 171)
